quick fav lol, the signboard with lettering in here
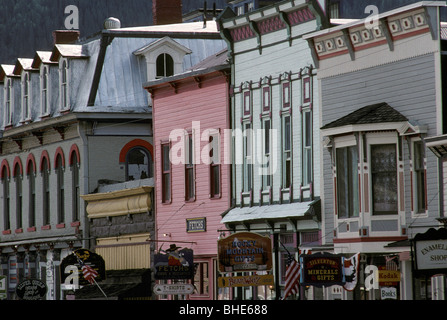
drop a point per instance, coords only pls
(196, 225)
(246, 281)
(174, 263)
(388, 277)
(179, 288)
(86, 257)
(388, 293)
(431, 251)
(244, 251)
(31, 289)
(322, 269)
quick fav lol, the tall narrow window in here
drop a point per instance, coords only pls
(307, 146)
(64, 85)
(287, 152)
(138, 164)
(75, 187)
(6, 199)
(18, 183)
(347, 182)
(202, 279)
(8, 101)
(247, 103)
(189, 170)
(165, 65)
(45, 192)
(44, 88)
(248, 163)
(419, 177)
(214, 167)
(60, 189)
(166, 173)
(266, 173)
(32, 196)
(26, 96)
(384, 178)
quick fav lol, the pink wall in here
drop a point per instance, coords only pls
(208, 104)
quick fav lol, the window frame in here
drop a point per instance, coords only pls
(166, 174)
(419, 178)
(59, 168)
(19, 196)
(32, 195)
(247, 154)
(150, 173)
(215, 166)
(26, 96)
(6, 199)
(168, 61)
(267, 152)
(44, 91)
(64, 84)
(9, 101)
(352, 183)
(45, 172)
(76, 193)
(372, 173)
(287, 159)
(190, 168)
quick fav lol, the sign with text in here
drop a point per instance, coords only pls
(181, 288)
(388, 277)
(31, 289)
(174, 263)
(244, 251)
(246, 281)
(431, 251)
(322, 269)
(196, 225)
(78, 258)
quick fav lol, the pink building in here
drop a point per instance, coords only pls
(190, 113)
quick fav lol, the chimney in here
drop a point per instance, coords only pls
(167, 11)
(65, 36)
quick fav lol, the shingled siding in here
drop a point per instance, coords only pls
(409, 87)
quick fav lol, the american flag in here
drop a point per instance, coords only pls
(89, 273)
(292, 277)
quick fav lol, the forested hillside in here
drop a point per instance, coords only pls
(27, 25)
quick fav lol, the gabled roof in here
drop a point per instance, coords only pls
(41, 57)
(67, 50)
(375, 113)
(160, 42)
(23, 64)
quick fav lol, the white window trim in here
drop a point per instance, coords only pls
(8, 86)
(414, 212)
(62, 106)
(43, 112)
(26, 99)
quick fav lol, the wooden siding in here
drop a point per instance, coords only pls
(409, 86)
(208, 105)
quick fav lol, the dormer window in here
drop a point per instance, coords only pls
(44, 90)
(8, 101)
(26, 90)
(164, 57)
(63, 72)
(165, 65)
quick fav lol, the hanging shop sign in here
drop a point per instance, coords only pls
(388, 293)
(388, 277)
(322, 269)
(246, 281)
(431, 251)
(31, 289)
(174, 263)
(179, 288)
(244, 251)
(74, 263)
(196, 225)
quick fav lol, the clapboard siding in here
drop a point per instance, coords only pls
(209, 106)
(409, 86)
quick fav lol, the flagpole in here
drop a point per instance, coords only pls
(93, 278)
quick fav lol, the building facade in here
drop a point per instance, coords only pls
(191, 122)
(275, 119)
(381, 95)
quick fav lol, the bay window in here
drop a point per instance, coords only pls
(347, 182)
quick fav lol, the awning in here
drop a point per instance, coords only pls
(276, 212)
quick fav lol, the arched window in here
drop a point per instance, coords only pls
(18, 183)
(32, 195)
(138, 164)
(6, 206)
(75, 186)
(60, 189)
(165, 65)
(45, 191)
